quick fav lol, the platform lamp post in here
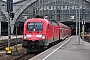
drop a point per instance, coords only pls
(9, 9)
(83, 24)
(80, 6)
(83, 27)
(76, 22)
(16, 25)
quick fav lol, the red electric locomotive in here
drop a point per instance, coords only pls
(40, 33)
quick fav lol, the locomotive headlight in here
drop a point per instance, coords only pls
(29, 35)
(43, 36)
(25, 36)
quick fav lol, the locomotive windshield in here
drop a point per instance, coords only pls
(35, 26)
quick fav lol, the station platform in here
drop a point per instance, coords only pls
(69, 49)
(12, 37)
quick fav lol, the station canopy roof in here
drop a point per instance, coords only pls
(15, 1)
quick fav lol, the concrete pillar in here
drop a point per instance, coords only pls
(0, 28)
(12, 22)
(12, 28)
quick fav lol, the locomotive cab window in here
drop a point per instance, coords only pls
(35, 26)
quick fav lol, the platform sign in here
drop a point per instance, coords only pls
(83, 22)
(9, 5)
(72, 17)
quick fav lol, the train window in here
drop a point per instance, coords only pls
(54, 23)
(35, 26)
(63, 26)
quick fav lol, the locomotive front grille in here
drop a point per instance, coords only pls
(35, 44)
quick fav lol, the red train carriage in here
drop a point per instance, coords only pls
(68, 31)
(65, 31)
(40, 33)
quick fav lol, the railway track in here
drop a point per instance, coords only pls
(20, 55)
(4, 44)
(23, 57)
(17, 56)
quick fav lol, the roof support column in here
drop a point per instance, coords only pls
(12, 22)
(0, 28)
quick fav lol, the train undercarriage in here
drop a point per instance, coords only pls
(37, 46)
